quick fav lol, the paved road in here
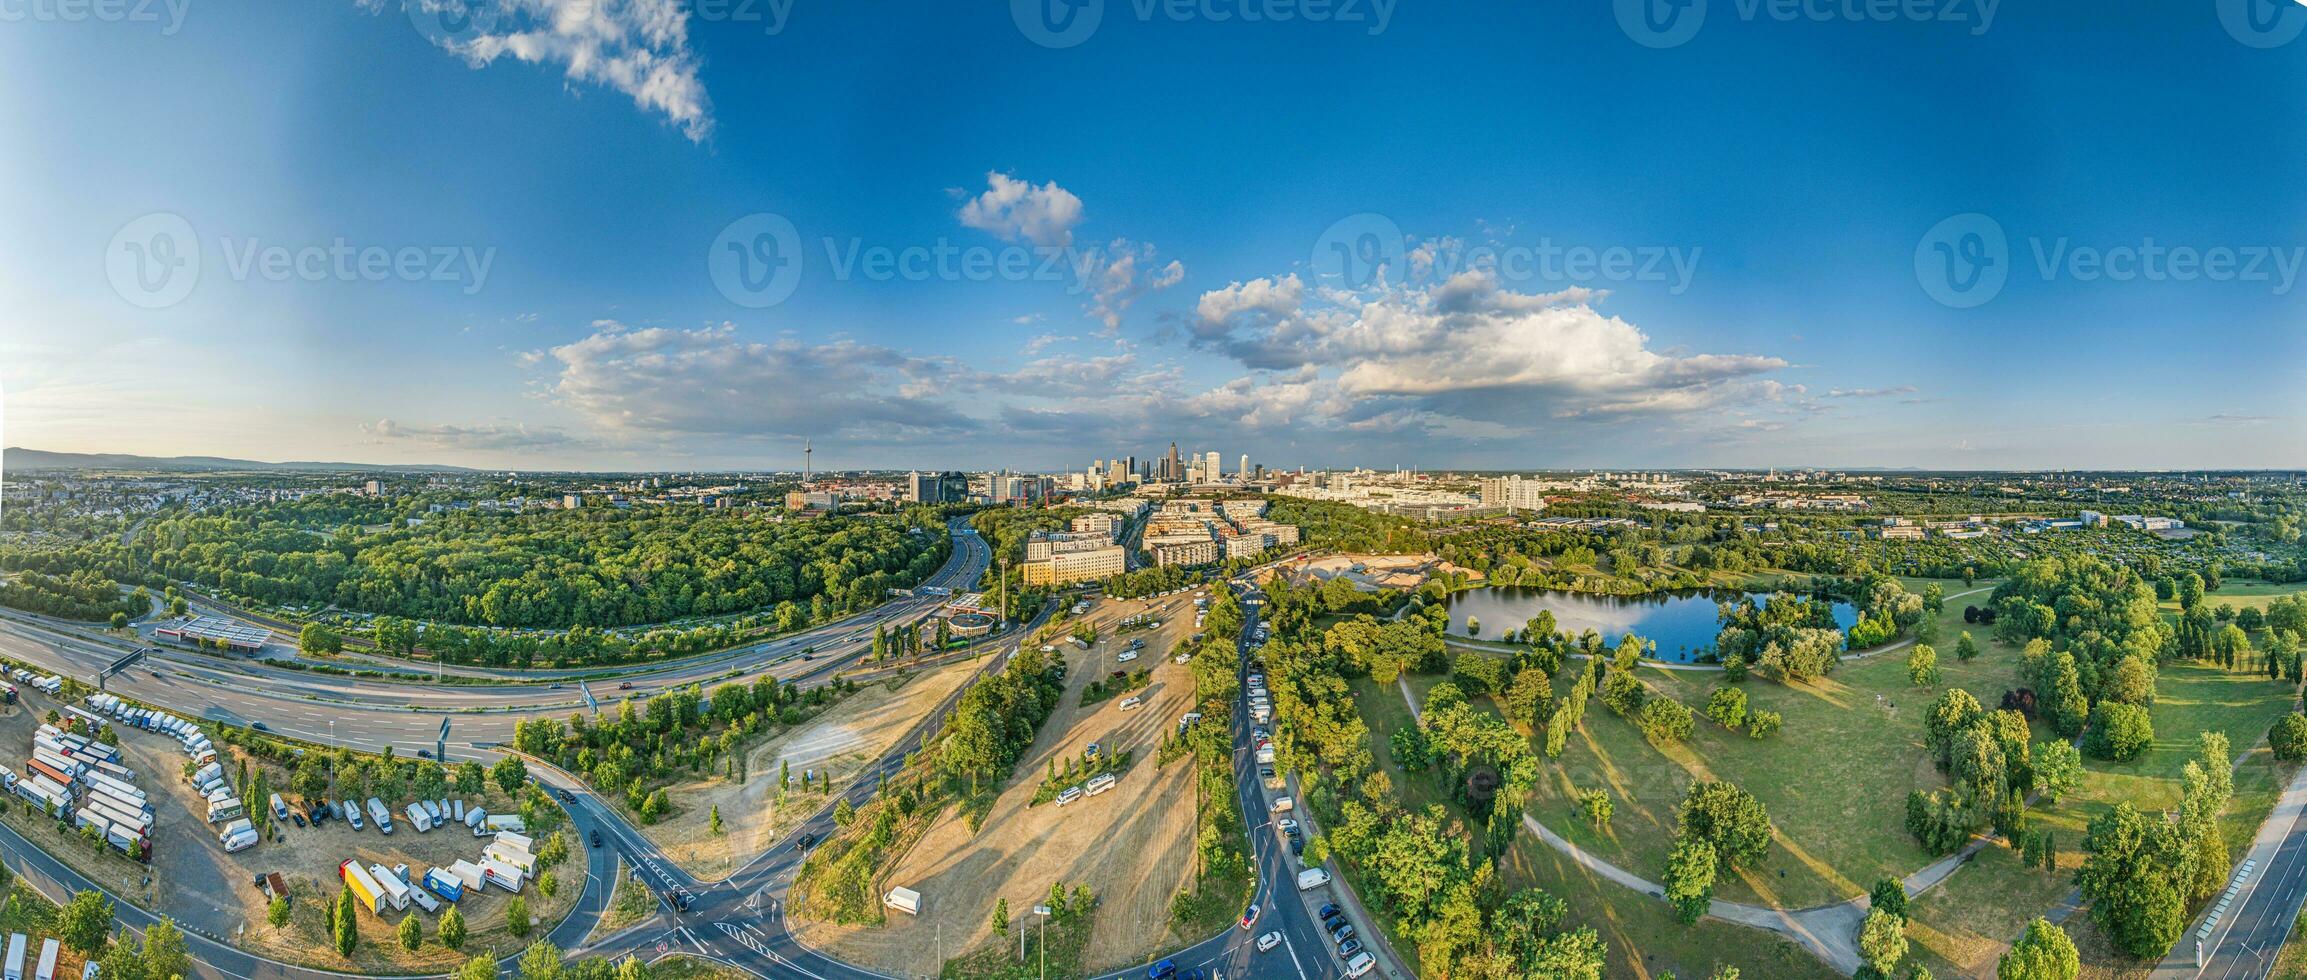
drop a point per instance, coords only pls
(2262, 901)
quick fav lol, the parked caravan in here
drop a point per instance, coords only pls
(221, 809)
(444, 884)
(418, 819)
(396, 892)
(511, 855)
(16, 944)
(503, 875)
(517, 841)
(363, 886)
(382, 816)
(500, 823)
(423, 899)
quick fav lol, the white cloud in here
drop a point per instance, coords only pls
(1870, 392)
(515, 437)
(1114, 281)
(1015, 210)
(637, 47)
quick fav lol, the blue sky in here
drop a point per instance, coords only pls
(1571, 242)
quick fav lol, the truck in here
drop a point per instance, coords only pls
(363, 885)
(434, 811)
(382, 816)
(502, 875)
(396, 892)
(352, 814)
(238, 835)
(418, 818)
(903, 899)
(444, 884)
(498, 823)
(1312, 878)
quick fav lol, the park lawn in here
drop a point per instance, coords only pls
(1644, 937)
(2244, 595)
(1970, 919)
(1835, 778)
(1383, 713)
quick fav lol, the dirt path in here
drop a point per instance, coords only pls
(1132, 846)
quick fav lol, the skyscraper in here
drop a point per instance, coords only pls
(1172, 467)
(1212, 463)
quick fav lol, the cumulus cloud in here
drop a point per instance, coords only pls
(712, 381)
(636, 47)
(1870, 392)
(1015, 210)
(1115, 279)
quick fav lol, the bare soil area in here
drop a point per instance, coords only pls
(840, 743)
(1133, 845)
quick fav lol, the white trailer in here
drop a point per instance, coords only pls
(48, 950)
(500, 823)
(396, 891)
(418, 819)
(516, 840)
(511, 855)
(424, 899)
(16, 943)
(102, 783)
(468, 874)
(503, 875)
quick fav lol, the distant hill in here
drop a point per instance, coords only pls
(19, 459)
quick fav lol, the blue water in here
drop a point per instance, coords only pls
(1682, 624)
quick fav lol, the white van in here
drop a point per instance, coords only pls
(1362, 963)
(1312, 878)
(1282, 804)
(1068, 795)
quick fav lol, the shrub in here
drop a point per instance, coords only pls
(1665, 720)
(1727, 707)
(1763, 724)
(2289, 737)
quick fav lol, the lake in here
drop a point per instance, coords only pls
(1682, 624)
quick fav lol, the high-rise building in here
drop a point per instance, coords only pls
(1244, 472)
(1211, 465)
(1172, 467)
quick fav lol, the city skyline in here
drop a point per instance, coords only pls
(480, 247)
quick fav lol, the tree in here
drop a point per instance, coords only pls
(2134, 875)
(1727, 707)
(1965, 647)
(517, 916)
(1922, 665)
(1762, 724)
(2067, 707)
(1597, 806)
(165, 955)
(631, 968)
(509, 773)
(2044, 953)
(1889, 895)
(2119, 732)
(1664, 720)
(1001, 916)
(277, 912)
(318, 640)
(541, 961)
(85, 922)
(347, 928)
(1690, 872)
(2289, 737)
(1882, 941)
(452, 929)
(481, 967)
(1728, 818)
(715, 817)
(410, 932)
(2058, 768)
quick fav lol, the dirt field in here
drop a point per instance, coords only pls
(848, 737)
(192, 879)
(1132, 846)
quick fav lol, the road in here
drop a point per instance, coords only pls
(2262, 899)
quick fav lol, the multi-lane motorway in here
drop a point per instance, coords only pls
(739, 921)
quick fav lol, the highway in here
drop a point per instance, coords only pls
(739, 921)
(2262, 901)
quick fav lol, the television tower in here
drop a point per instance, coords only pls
(807, 447)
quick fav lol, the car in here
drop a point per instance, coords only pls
(260, 726)
(1269, 940)
(806, 842)
(1287, 825)
(625, 686)
(568, 797)
(1342, 933)
(1349, 947)
(596, 839)
(1360, 963)
(1266, 773)
(1162, 970)
(1297, 846)
(1192, 973)
(298, 817)
(1249, 916)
